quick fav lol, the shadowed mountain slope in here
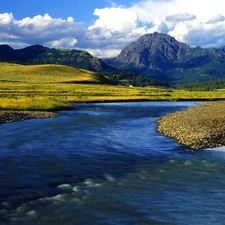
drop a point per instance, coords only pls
(162, 57)
(38, 54)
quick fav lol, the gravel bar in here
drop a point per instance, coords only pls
(197, 127)
(7, 116)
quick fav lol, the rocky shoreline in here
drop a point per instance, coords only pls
(7, 116)
(197, 127)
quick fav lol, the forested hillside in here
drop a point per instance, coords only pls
(38, 54)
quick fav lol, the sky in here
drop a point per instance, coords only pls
(105, 27)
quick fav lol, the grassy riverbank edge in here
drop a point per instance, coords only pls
(197, 127)
(16, 115)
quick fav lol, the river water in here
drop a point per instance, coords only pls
(105, 164)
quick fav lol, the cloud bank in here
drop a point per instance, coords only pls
(196, 23)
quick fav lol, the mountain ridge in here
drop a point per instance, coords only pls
(38, 54)
(156, 56)
(162, 57)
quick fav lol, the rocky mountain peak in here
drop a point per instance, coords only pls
(162, 57)
(154, 50)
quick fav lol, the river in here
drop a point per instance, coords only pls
(105, 164)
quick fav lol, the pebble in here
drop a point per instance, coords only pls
(7, 116)
(196, 127)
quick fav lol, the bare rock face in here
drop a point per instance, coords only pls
(154, 51)
(162, 57)
(160, 51)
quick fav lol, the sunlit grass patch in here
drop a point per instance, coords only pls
(31, 103)
(44, 73)
(52, 87)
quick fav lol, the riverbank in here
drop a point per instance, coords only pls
(7, 116)
(197, 127)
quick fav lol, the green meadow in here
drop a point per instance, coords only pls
(53, 87)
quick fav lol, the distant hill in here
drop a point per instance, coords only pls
(156, 56)
(49, 73)
(162, 57)
(38, 54)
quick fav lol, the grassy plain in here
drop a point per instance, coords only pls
(52, 87)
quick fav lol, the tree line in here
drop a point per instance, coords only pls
(129, 78)
(205, 86)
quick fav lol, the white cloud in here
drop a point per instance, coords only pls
(114, 4)
(63, 43)
(180, 17)
(115, 19)
(186, 20)
(195, 22)
(40, 30)
(70, 19)
(102, 53)
(217, 18)
(179, 31)
(203, 10)
(6, 19)
(206, 35)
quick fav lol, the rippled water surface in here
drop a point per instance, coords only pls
(105, 164)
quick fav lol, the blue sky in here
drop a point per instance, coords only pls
(80, 10)
(105, 27)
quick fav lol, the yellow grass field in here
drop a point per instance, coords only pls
(52, 87)
(44, 73)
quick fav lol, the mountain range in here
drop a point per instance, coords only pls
(156, 56)
(37, 54)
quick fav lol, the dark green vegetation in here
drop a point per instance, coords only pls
(38, 54)
(161, 57)
(129, 78)
(217, 85)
